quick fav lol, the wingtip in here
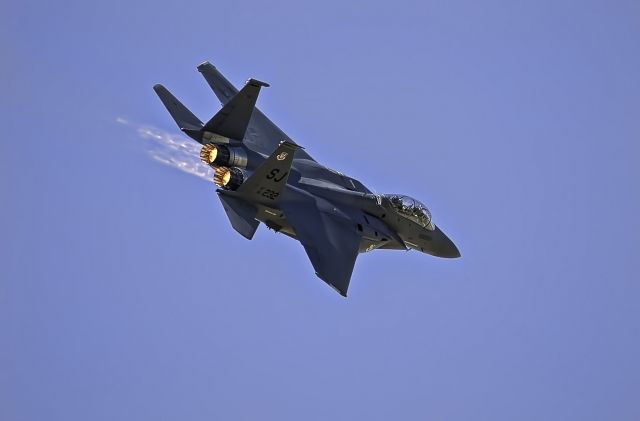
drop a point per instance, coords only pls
(335, 288)
(157, 87)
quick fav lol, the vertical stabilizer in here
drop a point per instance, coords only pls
(186, 121)
(223, 89)
(233, 119)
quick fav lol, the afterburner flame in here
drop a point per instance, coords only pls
(226, 177)
(221, 176)
(208, 153)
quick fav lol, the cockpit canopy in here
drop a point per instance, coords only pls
(412, 209)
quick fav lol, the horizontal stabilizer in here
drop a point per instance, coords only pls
(232, 120)
(186, 121)
(241, 215)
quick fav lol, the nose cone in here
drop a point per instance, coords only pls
(443, 246)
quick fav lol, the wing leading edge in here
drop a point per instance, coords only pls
(331, 243)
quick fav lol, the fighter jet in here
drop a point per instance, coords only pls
(262, 175)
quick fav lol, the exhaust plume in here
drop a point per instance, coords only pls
(171, 150)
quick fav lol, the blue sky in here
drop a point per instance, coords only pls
(125, 294)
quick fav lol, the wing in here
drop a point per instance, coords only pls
(331, 243)
(261, 135)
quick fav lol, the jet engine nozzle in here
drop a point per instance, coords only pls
(228, 178)
(222, 155)
(209, 153)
